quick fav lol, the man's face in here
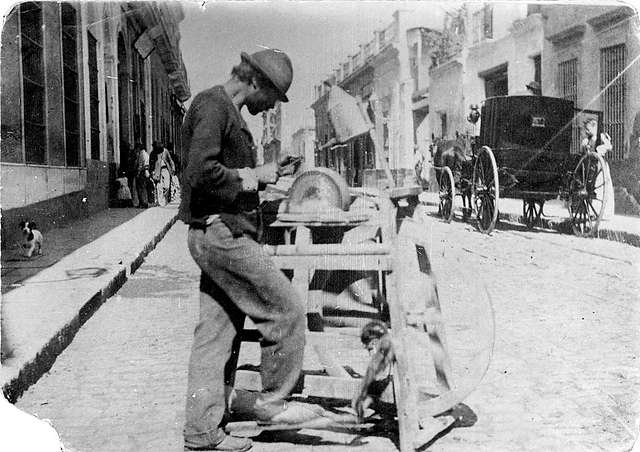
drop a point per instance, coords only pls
(261, 99)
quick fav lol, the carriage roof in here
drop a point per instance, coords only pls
(527, 122)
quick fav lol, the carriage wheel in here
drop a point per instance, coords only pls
(531, 211)
(587, 195)
(486, 189)
(447, 194)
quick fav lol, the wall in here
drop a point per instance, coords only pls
(53, 192)
(580, 33)
(446, 96)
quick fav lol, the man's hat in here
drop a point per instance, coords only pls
(275, 65)
(534, 86)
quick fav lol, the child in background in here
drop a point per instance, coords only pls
(123, 195)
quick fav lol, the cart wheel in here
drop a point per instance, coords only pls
(447, 194)
(587, 195)
(486, 189)
(531, 211)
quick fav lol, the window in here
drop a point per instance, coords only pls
(33, 82)
(496, 81)
(70, 74)
(568, 80)
(93, 97)
(612, 86)
(482, 24)
(413, 65)
(443, 125)
(487, 22)
(568, 89)
(537, 69)
(140, 123)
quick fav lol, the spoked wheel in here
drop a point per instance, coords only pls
(447, 194)
(486, 189)
(531, 211)
(587, 195)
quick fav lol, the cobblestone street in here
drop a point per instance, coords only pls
(565, 371)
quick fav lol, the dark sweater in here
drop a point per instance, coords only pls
(217, 142)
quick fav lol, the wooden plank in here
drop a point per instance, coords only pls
(406, 395)
(328, 362)
(333, 249)
(314, 386)
(353, 262)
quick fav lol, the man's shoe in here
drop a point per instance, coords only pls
(295, 413)
(228, 444)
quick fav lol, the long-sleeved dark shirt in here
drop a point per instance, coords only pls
(217, 142)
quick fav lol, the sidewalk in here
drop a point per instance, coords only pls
(620, 228)
(41, 312)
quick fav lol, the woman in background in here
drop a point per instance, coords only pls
(589, 144)
(163, 171)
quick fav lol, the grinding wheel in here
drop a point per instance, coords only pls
(318, 190)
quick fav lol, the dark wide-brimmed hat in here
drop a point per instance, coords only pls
(274, 65)
(534, 86)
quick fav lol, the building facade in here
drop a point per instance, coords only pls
(591, 56)
(303, 145)
(81, 83)
(389, 75)
(500, 53)
(271, 141)
(576, 52)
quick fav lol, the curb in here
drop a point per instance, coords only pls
(563, 226)
(32, 370)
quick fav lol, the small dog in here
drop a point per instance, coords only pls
(31, 239)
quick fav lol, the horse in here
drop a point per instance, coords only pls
(451, 153)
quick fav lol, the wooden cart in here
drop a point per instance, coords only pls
(404, 282)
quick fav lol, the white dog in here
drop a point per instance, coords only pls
(31, 239)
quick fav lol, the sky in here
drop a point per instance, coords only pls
(317, 36)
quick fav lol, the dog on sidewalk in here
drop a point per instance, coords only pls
(31, 239)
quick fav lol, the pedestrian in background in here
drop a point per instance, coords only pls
(219, 203)
(140, 192)
(163, 170)
(123, 193)
(590, 144)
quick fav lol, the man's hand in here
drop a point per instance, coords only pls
(267, 173)
(289, 165)
(358, 405)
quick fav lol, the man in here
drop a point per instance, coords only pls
(141, 176)
(534, 89)
(219, 201)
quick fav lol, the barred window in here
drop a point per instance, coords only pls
(69, 40)
(568, 89)
(612, 86)
(33, 82)
(93, 97)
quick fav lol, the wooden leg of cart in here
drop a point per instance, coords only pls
(406, 396)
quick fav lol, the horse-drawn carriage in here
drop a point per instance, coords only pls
(524, 151)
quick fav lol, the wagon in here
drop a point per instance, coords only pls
(529, 149)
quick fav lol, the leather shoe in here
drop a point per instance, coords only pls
(228, 444)
(295, 413)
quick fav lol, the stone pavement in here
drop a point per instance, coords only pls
(563, 373)
(121, 384)
(620, 228)
(43, 312)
